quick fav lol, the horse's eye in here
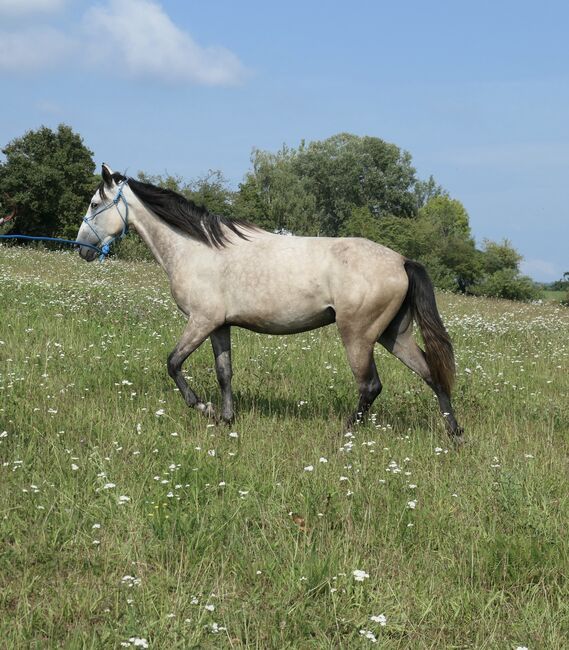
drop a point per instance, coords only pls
(94, 205)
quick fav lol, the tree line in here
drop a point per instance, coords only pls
(346, 185)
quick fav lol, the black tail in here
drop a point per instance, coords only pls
(438, 347)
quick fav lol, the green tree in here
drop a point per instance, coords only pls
(347, 171)
(165, 181)
(424, 191)
(501, 274)
(361, 223)
(562, 284)
(48, 176)
(211, 191)
(314, 189)
(275, 197)
(444, 242)
(500, 255)
(447, 216)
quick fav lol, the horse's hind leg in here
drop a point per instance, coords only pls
(400, 342)
(193, 336)
(221, 344)
(362, 363)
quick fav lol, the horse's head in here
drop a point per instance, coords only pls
(107, 216)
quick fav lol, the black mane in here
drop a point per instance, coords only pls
(187, 216)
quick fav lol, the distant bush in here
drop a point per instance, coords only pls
(509, 284)
(132, 248)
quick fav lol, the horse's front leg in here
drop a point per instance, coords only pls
(221, 343)
(193, 336)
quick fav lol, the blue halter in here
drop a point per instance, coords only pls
(105, 248)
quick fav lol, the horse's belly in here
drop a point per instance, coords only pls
(284, 323)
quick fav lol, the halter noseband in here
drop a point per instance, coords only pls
(105, 248)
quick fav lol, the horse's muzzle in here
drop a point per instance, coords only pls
(88, 254)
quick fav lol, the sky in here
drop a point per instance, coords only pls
(477, 92)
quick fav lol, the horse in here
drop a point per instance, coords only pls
(228, 272)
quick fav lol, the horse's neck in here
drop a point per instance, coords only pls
(168, 247)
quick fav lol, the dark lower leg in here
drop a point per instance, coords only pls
(221, 343)
(175, 371)
(404, 347)
(445, 405)
(369, 386)
(189, 343)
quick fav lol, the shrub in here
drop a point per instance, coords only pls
(509, 284)
(132, 248)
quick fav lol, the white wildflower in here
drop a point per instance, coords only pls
(380, 618)
(359, 575)
(368, 634)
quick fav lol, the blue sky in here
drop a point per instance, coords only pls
(478, 93)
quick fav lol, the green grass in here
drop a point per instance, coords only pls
(554, 296)
(480, 562)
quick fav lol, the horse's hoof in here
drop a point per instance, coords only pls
(208, 410)
(458, 440)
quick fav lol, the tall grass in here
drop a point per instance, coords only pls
(127, 519)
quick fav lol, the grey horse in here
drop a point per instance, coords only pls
(226, 273)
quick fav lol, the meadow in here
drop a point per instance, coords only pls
(127, 520)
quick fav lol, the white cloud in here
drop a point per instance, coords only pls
(138, 38)
(134, 38)
(19, 7)
(33, 48)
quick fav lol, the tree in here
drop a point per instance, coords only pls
(210, 191)
(48, 176)
(444, 242)
(499, 256)
(347, 171)
(562, 284)
(213, 192)
(502, 277)
(361, 223)
(424, 191)
(314, 189)
(275, 197)
(447, 216)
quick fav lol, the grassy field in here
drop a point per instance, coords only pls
(554, 296)
(128, 521)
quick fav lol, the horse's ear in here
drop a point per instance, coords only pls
(107, 174)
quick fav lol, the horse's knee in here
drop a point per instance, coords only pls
(376, 387)
(173, 364)
(371, 389)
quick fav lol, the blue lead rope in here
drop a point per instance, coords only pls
(103, 252)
